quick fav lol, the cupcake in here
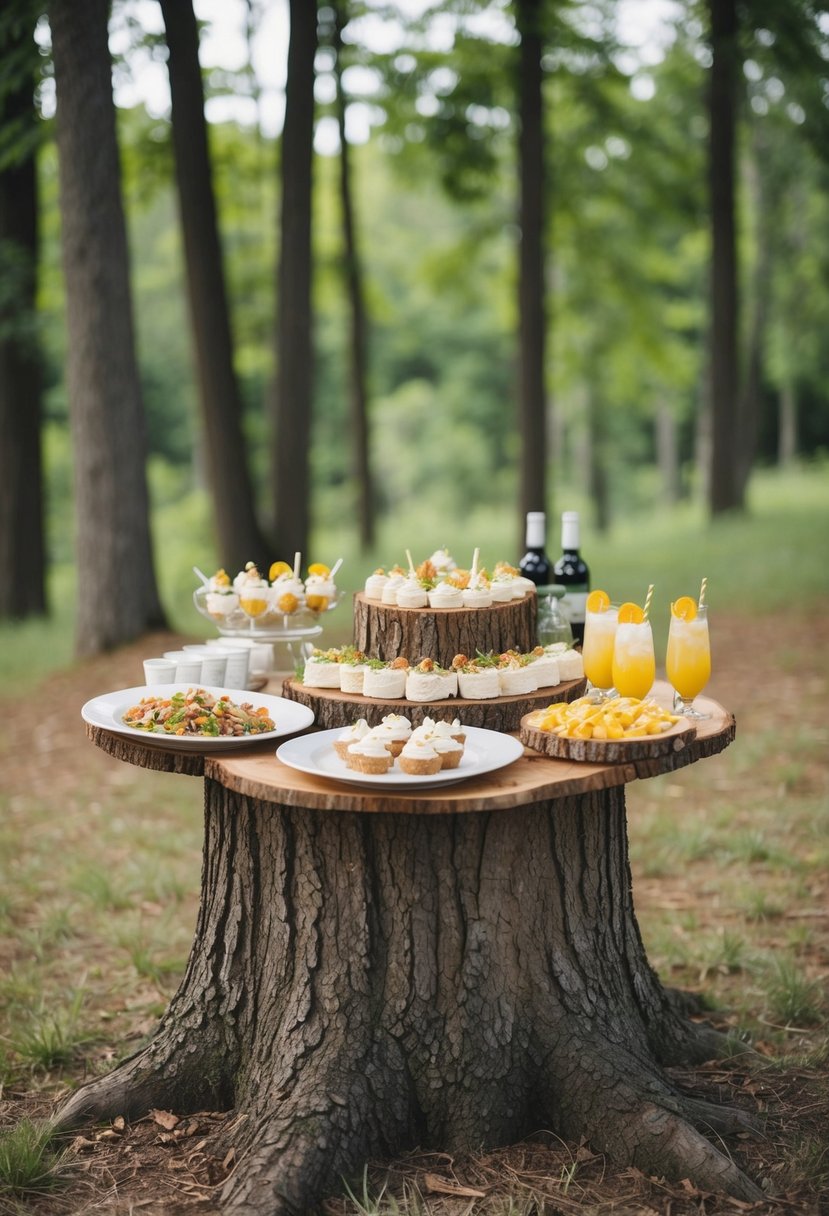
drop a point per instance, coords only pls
(369, 755)
(385, 681)
(430, 682)
(411, 594)
(392, 585)
(374, 585)
(443, 562)
(450, 730)
(322, 670)
(395, 731)
(449, 750)
(419, 758)
(445, 595)
(478, 594)
(352, 734)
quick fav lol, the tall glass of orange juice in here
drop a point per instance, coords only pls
(688, 658)
(634, 663)
(597, 647)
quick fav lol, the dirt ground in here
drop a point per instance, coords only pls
(171, 1163)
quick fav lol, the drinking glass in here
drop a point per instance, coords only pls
(688, 661)
(634, 663)
(597, 650)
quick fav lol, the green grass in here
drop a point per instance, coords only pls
(28, 1164)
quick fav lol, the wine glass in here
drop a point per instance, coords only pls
(688, 658)
(634, 663)
(597, 648)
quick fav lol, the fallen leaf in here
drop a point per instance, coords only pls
(165, 1118)
(439, 1186)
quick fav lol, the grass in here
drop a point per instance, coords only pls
(28, 1163)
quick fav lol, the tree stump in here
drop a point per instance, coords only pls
(364, 983)
(387, 632)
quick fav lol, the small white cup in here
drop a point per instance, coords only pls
(188, 666)
(237, 668)
(159, 671)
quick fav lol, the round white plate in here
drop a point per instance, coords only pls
(484, 751)
(108, 712)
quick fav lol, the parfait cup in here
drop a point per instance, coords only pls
(688, 661)
(597, 651)
(634, 663)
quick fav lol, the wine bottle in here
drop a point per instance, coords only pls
(571, 571)
(535, 564)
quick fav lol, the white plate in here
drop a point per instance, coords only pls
(108, 712)
(484, 751)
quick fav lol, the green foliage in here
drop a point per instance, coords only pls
(27, 1161)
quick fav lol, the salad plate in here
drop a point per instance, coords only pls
(107, 712)
(484, 752)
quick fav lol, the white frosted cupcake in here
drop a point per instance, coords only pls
(395, 731)
(449, 750)
(391, 587)
(446, 595)
(352, 734)
(450, 730)
(419, 758)
(411, 594)
(385, 682)
(374, 585)
(430, 682)
(369, 755)
(478, 594)
(501, 588)
(322, 670)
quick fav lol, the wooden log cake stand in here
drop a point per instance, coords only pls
(372, 972)
(388, 632)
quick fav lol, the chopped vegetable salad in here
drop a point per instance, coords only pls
(197, 712)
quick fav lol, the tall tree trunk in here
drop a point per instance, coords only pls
(117, 593)
(725, 491)
(667, 453)
(787, 424)
(294, 348)
(22, 541)
(531, 294)
(238, 534)
(358, 395)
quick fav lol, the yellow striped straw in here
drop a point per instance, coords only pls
(702, 592)
(648, 599)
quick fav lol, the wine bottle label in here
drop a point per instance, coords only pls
(572, 605)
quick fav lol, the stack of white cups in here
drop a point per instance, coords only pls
(213, 666)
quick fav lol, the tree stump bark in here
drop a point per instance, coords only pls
(387, 632)
(361, 984)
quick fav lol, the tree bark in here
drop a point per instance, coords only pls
(22, 539)
(364, 983)
(725, 488)
(531, 290)
(117, 593)
(239, 536)
(357, 382)
(290, 460)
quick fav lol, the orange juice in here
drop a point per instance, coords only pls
(597, 647)
(634, 664)
(688, 658)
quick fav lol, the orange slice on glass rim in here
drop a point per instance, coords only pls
(631, 614)
(279, 568)
(597, 601)
(684, 609)
(319, 568)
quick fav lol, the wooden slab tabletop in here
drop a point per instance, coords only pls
(256, 773)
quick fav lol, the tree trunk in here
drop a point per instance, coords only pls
(117, 593)
(667, 453)
(364, 983)
(787, 425)
(358, 396)
(228, 479)
(531, 292)
(725, 491)
(294, 348)
(22, 541)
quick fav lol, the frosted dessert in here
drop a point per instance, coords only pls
(352, 734)
(412, 594)
(394, 731)
(478, 678)
(221, 599)
(516, 675)
(374, 584)
(446, 595)
(369, 755)
(254, 594)
(385, 681)
(322, 670)
(419, 758)
(428, 681)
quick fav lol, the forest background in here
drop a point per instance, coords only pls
(666, 340)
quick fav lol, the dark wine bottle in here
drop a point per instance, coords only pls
(571, 571)
(535, 564)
